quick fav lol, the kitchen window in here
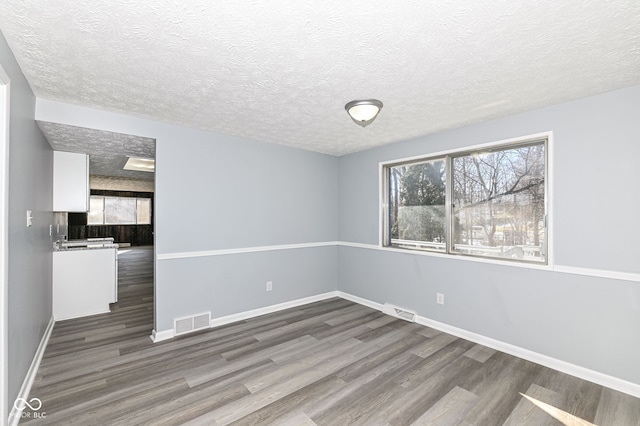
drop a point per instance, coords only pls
(104, 210)
(488, 202)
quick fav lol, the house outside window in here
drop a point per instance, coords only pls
(488, 202)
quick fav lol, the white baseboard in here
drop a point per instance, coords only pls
(361, 301)
(14, 415)
(159, 336)
(547, 361)
(215, 322)
(228, 319)
(606, 380)
(76, 316)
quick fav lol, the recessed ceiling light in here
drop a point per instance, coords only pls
(140, 164)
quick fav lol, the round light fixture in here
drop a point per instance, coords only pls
(363, 112)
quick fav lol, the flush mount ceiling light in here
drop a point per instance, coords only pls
(363, 112)
(140, 164)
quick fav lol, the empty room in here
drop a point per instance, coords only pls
(319, 213)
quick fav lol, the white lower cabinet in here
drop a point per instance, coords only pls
(85, 282)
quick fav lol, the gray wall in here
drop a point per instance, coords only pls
(230, 284)
(591, 322)
(30, 188)
(218, 192)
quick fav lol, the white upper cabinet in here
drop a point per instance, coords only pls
(70, 182)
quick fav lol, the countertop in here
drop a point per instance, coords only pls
(86, 244)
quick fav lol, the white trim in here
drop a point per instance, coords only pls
(223, 252)
(548, 135)
(106, 311)
(360, 301)
(446, 256)
(5, 92)
(228, 319)
(547, 361)
(215, 322)
(598, 273)
(14, 416)
(159, 336)
(550, 232)
(541, 135)
(382, 207)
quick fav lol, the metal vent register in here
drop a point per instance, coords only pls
(398, 312)
(190, 324)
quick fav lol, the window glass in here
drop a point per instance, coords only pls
(499, 203)
(96, 211)
(119, 210)
(489, 203)
(143, 211)
(417, 205)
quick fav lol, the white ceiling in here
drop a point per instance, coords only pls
(281, 71)
(108, 151)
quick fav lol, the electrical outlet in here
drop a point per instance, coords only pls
(440, 298)
(269, 285)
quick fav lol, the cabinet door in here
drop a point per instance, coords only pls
(83, 282)
(70, 182)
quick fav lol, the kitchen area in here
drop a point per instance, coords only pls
(85, 277)
(102, 204)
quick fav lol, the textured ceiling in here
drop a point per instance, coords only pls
(281, 71)
(107, 151)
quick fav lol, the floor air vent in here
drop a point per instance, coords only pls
(397, 312)
(192, 323)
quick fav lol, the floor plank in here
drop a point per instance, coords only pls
(331, 362)
(449, 410)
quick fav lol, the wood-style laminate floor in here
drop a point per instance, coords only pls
(327, 363)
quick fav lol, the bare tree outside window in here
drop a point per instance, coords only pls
(498, 202)
(489, 203)
(417, 204)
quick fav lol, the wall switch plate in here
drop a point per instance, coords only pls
(269, 285)
(29, 218)
(440, 298)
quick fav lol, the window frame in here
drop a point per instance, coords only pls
(384, 201)
(386, 194)
(137, 199)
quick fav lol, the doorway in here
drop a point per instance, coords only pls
(4, 240)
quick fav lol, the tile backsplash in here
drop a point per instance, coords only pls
(60, 226)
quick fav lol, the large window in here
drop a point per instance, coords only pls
(489, 203)
(119, 211)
